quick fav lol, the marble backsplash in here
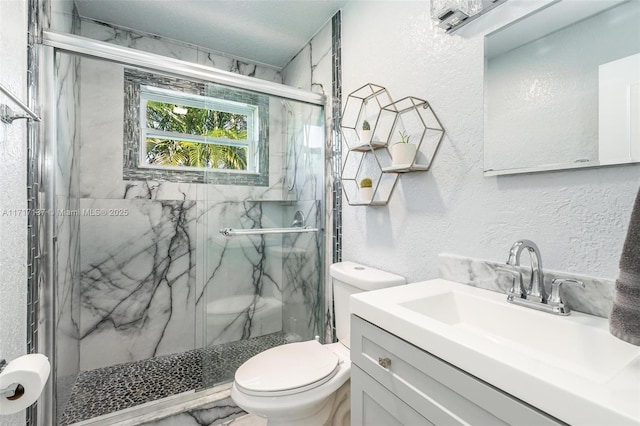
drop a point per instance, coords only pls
(595, 299)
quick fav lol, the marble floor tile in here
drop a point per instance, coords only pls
(222, 412)
(247, 420)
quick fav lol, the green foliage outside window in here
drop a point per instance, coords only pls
(220, 125)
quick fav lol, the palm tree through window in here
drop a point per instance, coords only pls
(183, 130)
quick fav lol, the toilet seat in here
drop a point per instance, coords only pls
(287, 369)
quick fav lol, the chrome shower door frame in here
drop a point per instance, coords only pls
(42, 163)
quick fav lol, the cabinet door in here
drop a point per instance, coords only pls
(438, 391)
(373, 405)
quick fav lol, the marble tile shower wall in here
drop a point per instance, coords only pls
(157, 253)
(301, 254)
(313, 69)
(174, 49)
(67, 230)
(303, 274)
(238, 285)
(137, 277)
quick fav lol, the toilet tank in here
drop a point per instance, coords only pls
(350, 278)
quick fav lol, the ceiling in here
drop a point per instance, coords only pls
(270, 32)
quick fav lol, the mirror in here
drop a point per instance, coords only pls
(562, 88)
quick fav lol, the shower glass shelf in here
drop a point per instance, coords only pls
(406, 168)
(372, 203)
(373, 145)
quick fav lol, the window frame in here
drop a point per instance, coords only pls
(134, 167)
(152, 93)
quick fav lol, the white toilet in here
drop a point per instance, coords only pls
(295, 384)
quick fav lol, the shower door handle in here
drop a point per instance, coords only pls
(230, 232)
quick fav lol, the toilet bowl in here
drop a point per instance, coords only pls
(296, 383)
(302, 395)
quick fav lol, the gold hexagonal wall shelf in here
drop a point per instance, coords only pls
(363, 105)
(360, 165)
(409, 121)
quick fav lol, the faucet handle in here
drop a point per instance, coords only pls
(517, 279)
(556, 298)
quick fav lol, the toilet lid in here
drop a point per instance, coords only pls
(287, 368)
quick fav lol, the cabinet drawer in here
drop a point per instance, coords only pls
(374, 405)
(440, 392)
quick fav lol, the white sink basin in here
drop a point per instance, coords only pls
(588, 351)
(570, 367)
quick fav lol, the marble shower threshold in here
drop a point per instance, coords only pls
(110, 389)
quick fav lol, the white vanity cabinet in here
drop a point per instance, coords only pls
(395, 383)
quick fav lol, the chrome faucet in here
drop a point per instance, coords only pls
(535, 296)
(536, 291)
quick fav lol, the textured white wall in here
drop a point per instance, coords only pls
(13, 229)
(578, 218)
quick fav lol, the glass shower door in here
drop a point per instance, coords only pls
(152, 301)
(258, 290)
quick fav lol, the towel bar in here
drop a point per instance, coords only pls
(6, 113)
(230, 232)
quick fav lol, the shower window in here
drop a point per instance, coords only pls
(190, 131)
(176, 130)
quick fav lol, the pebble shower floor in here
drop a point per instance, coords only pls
(114, 388)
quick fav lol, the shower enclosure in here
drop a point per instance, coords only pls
(187, 223)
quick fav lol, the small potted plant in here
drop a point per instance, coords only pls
(403, 152)
(365, 132)
(366, 190)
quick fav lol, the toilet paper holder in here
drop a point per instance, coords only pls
(14, 390)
